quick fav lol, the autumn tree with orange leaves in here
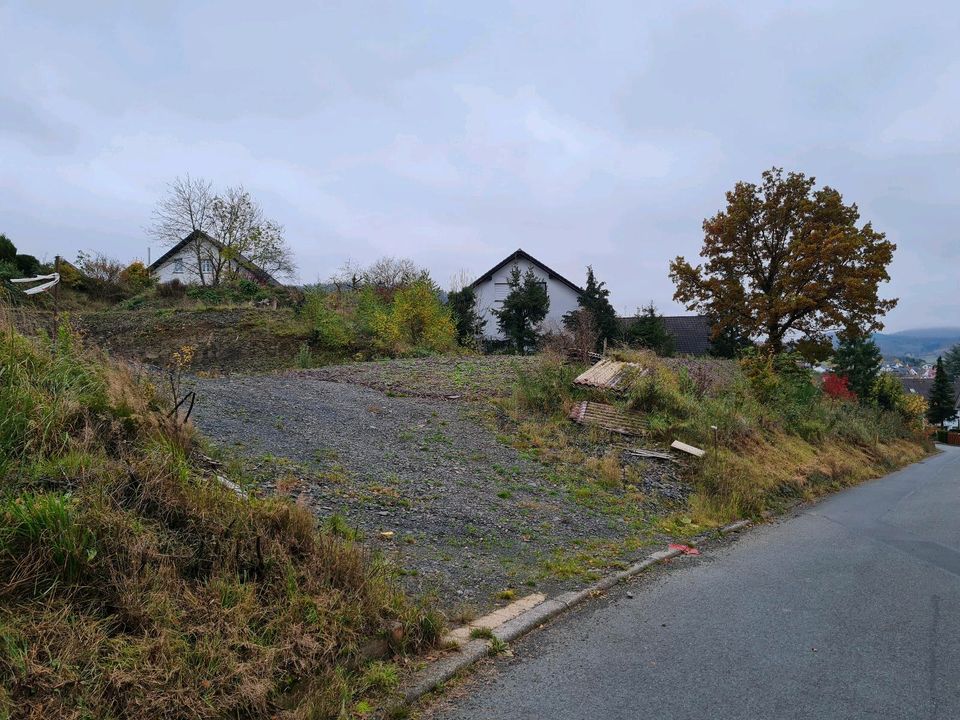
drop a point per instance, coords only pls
(786, 261)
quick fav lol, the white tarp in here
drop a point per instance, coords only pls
(51, 279)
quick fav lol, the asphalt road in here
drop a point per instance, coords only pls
(850, 609)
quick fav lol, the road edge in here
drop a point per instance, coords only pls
(434, 675)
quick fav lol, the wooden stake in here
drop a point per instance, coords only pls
(56, 301)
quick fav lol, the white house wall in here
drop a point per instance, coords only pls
(190, 275)
(490, 295)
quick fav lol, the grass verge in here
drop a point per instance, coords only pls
(772, 437)
(133, 584)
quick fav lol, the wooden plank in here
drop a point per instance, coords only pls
(683, 447)
(641, 452)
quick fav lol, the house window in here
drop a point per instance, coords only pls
(178, 265)
(206, 266)
(502, 289)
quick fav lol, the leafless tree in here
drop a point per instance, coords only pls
(463, 278)
(583, 327)
(390, 273)
(385, 275)
(234, 219)
(239, 224)
(347, 277)
(185, 208)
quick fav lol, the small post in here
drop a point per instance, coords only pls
(56, 301)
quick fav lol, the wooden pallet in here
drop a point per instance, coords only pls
(608, 417)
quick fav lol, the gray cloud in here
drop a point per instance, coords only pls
(456, 134)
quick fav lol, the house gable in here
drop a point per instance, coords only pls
(520, 255)
(493, 286)
(173, 264)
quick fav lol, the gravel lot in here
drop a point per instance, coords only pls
(469, 515)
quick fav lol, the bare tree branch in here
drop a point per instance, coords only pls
(185, 208)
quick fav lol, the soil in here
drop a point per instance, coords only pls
(224, 339)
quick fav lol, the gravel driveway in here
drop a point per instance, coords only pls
(469, 516)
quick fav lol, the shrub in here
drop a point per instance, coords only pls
(27, 264)
(545, 387)
(913, 408)
(416, 320)
(331, 329)
(101, 276)
(304, 357)
(136, 278)
(172, 289)
(657, 390)
(837, 387)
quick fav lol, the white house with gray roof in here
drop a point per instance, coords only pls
(493, 287)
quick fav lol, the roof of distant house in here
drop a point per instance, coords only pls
(519, 254)
(918, 385)
(254, 269)
(691, 333)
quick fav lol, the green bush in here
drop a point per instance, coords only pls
(331, 329)
(409, 321)
(136, 278)
(414, 322)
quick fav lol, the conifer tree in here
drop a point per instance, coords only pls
(523, 309)
(941, 397)
(595, 300)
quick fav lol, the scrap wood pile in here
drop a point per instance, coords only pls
(612, 376)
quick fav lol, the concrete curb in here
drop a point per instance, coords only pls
(431, 677)
(434, 675)
(734, 527)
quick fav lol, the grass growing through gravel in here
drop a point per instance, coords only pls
(134, 585)
(778, 439)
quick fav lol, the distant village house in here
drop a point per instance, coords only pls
(493, 287)
(200, 259)
(691, 333)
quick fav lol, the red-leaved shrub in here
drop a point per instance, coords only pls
(837, 386)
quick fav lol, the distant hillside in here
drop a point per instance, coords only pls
(924, 343)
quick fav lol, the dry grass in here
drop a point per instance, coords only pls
(771, 437)
(781, 469)
(133, 585)
(605, 470)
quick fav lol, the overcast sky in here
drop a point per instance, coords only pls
(454, 133)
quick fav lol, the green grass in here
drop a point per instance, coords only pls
(132, 582)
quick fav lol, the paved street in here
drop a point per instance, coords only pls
(850, 609)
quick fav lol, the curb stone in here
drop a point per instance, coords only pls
(434, 675)
(734, 527)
